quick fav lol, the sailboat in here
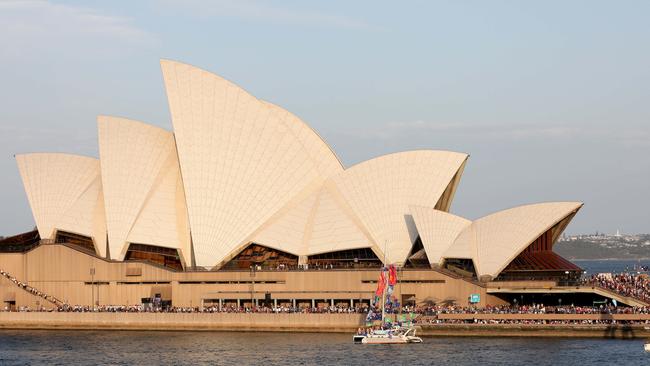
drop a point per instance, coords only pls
(389, 333)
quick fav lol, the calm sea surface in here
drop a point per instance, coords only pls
(598, 266)
(225, 348)
(217, 348)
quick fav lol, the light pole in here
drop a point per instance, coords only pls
(92, 286)
(253, 269)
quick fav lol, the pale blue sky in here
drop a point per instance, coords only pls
(550, 98)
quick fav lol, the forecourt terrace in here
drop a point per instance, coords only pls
(243, 203)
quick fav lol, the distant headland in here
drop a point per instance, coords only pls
(604, 246)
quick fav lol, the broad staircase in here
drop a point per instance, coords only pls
(629, 300)
(31, 290)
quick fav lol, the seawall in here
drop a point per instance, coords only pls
(342, 323)
(328, 323)
(619, 331)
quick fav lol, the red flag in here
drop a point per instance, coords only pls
(392, 275)
(381, 284)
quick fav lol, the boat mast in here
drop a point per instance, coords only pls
(383, 302)
(383, 293)
(399, 284)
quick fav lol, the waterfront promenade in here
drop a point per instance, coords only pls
(297, 322)
(512, 325)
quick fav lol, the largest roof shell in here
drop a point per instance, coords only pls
(242, 159)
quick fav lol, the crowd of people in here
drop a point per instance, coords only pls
(431, 311)
(314, 266)
(267, 309)
(434, 310)
(531, 321)
(626, 284)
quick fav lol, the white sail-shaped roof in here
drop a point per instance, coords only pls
(463, 247)
(240, 161)
(65, 193)
(143, 193)
(495, 240)
(286, 230)
(334, 225)
(163, 218)
(381, 190)
(315, 223)
(318, 151)
(437, 230)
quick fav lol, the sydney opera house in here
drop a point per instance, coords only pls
(244, 203)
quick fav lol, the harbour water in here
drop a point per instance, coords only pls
(614, 265)
(29, 347)
(217, 348)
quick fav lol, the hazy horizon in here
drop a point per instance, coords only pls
(550, 99)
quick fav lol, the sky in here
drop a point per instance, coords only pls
(551, 99)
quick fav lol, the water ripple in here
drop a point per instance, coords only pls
(227, 348)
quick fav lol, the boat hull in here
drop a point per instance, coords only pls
(384, 340)
(387, 339)
(396, 335)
